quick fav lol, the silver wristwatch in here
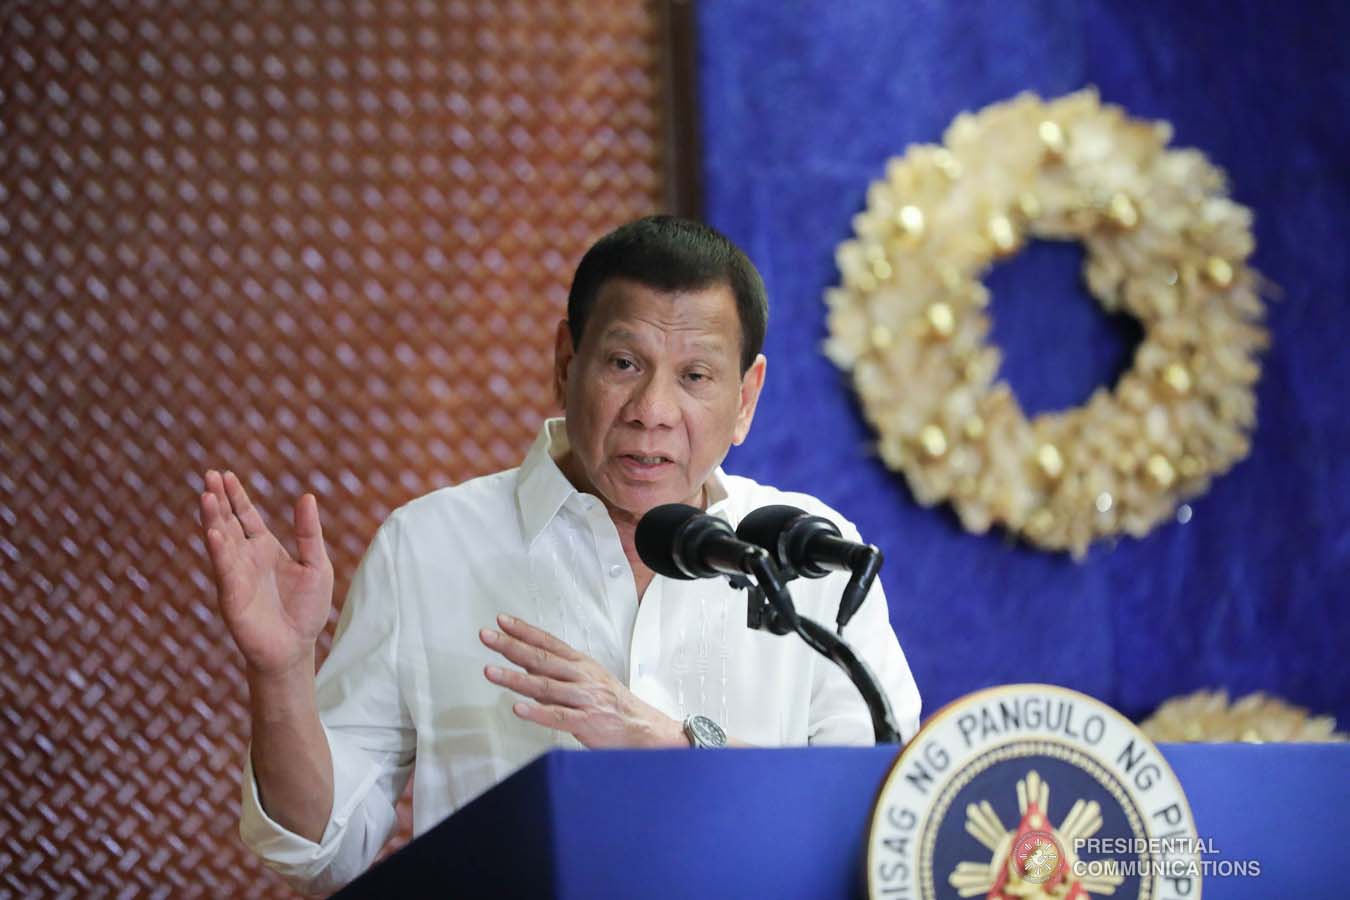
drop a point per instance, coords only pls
(704, 733)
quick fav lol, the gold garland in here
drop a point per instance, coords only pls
(1163, 243)
(1206, 716)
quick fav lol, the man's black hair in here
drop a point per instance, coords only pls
(671, 254)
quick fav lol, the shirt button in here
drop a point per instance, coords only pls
(615, 570)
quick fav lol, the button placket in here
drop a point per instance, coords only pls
(619, 593)
(644, 650)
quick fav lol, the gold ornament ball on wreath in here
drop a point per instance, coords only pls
(1163, 242)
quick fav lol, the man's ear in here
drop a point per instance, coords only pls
(562, 360)
(752, 382)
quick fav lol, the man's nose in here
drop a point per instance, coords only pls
(653, 403)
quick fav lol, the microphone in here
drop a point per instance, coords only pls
(679, 541)
(811, 547)
(802, 544)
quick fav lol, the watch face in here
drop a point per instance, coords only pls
(704, 732)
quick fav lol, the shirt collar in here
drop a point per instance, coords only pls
(542, 489)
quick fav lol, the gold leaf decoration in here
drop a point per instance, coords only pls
(1207, 716)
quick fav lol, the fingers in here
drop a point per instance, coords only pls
(535, 660)
(544, 690)
(223, 552)
(559, 717)
(215, 547)
(309, 534)
(538, 637)
(216, 510)
(243, 507)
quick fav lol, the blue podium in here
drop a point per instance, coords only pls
(792, 823)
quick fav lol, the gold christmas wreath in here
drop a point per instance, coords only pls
(1163, 243)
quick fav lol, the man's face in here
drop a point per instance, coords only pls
(654, 395)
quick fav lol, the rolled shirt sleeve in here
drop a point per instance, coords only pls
(370, 735)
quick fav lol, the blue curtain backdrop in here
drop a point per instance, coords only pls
(803, 103)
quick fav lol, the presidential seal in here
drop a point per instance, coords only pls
(1032, 791)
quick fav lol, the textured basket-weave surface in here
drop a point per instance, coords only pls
(321, 243)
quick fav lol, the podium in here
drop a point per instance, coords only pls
(793, 822)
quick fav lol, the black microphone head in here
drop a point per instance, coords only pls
(784, 531)
(658, 536)
(764, 526)
(674, 540)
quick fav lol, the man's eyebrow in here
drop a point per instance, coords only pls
(708, 344)
(620, 333)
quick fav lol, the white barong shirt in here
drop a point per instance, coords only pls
(404, 680)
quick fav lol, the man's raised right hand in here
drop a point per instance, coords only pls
(274, 606)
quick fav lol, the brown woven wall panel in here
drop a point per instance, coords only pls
(324, 244)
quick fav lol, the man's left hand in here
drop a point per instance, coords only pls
(573, 692)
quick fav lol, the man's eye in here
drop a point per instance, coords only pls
(697, 376)
(622, 364)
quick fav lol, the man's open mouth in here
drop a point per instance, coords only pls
(646, 460)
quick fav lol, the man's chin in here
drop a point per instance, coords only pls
(640, 499)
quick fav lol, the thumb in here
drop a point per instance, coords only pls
(308, 533)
